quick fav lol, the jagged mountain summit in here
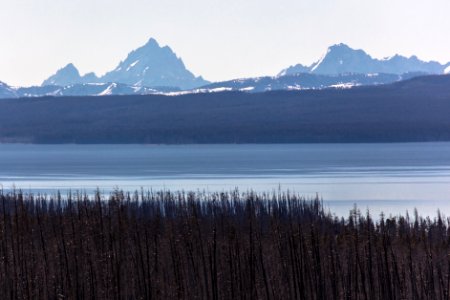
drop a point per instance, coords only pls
(153, 69)
(70, 75)
(153, 66)
(150, 65)
(340, 59)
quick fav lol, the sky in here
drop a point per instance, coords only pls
(217, 39)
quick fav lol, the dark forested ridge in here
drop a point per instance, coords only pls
(162, 245)
(412, 110)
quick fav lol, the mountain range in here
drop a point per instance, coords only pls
(153, 69)
(340, 59)
(150, 65)
(85, 89)
(306, 81)
(300, 81)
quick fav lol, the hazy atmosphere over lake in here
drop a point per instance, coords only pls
(383, 177)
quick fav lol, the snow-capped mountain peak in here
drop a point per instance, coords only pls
(153, 65)
(341, 59)
(149, 65)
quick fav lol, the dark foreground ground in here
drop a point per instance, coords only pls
(214, 246)
(412, 110)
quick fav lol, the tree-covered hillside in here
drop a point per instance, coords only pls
(413, 110)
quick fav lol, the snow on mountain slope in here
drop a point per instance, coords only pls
(150, 65)
(303, 81)
(153, 65)
(447, 70)
(340, 59)
(82, 89)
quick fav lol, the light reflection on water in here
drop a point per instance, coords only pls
(382, 177)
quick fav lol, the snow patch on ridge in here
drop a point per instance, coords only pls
(447, 70)
(247, 89)
(132, 65)
(317, 64)
(296, 87)
(347, 85)
(108, 90)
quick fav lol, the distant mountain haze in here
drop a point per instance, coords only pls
(149, 65)
(152, 65)
(341, 59)
(153, 69)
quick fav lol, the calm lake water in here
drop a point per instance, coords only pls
(382, 177)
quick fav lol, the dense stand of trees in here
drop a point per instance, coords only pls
(414, 110)
(162, 245)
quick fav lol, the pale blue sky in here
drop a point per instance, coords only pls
(216, 39)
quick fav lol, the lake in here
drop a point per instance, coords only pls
(381, 177)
